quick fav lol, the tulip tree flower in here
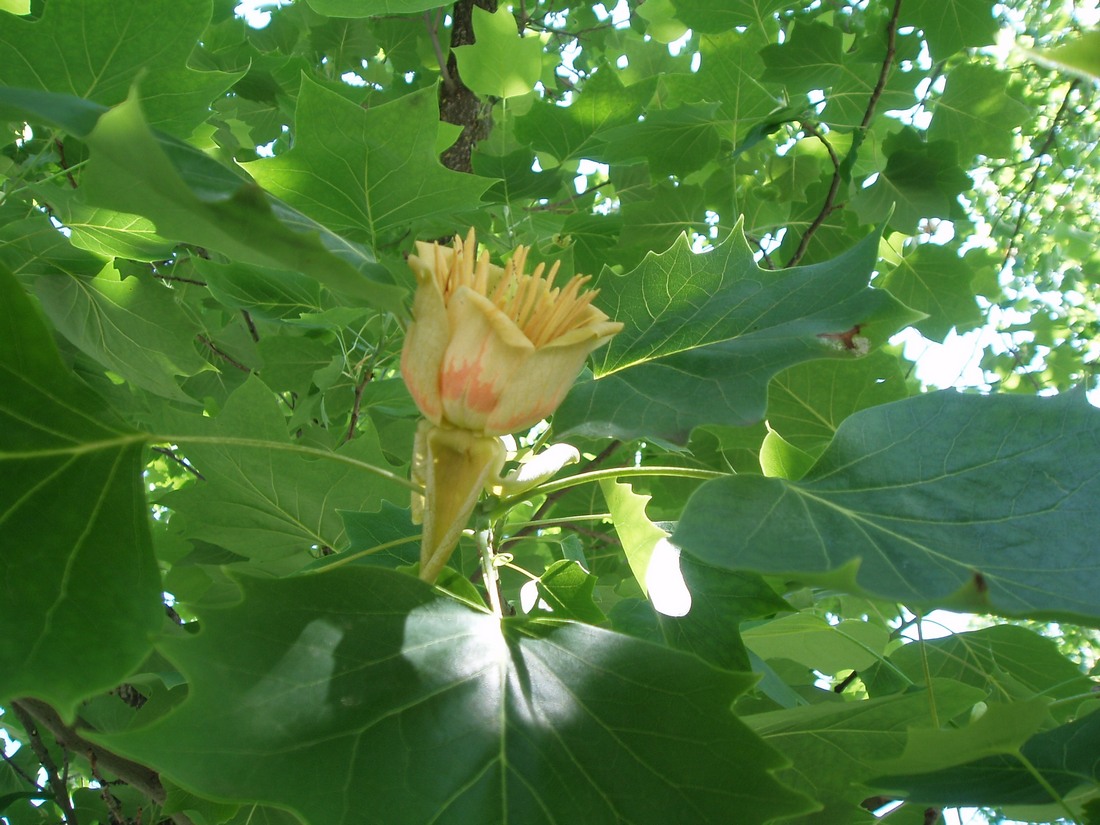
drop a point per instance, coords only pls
(491, 350)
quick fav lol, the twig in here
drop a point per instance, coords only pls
(143, 779)
(551, 499)
(183, 462)
(210, 345)
(843, 170)
(22, 773)
(433, 33)
(361, 385)
(61, 161)
(59, 790)
(251, 325)
(178, 279)
(1033, 183)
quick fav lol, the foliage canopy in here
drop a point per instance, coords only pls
(208, 604)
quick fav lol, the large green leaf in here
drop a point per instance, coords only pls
(390, 703)
(132, 326)
(114, 45)
(371, 8)
(936, 280)
(499, 62)
(375, 170)
(269, 504)
(75, 552)
(1011, 662)
(977, 113)
(950, 25)
(837, 747)
(567, 132)
(729, 74)
(193, 198)
(705, 333)
(921, 180)
(975, 502)
(1065, 758)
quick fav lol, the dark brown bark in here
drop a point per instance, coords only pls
(457, 104)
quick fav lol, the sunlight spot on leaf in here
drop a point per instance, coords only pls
(665, 581)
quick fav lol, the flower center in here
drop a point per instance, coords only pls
(542, 311)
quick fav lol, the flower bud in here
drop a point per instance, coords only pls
(495, 349)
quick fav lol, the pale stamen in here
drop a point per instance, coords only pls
(541, 311)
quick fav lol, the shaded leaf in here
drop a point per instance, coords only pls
(74, 540)
(977, 113)
(951, 25)
(268, 504)
(837, 747)
(373, 170)
(940, 499)
(705, 333)
(119, 43)
(936, 280)
(1065, 757)
(328, 675)
(132, 326)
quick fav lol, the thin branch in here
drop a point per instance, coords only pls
(183, 462)
(552, 498)
(361, 385)
(433, 33)
(59, 790)
(251, 325)
(1033, 183)
(177, 279)
(143, 779)
(22, 773)
(210, 345)
(61, 161)
(842, 170)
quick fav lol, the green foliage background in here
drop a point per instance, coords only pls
(203, 227)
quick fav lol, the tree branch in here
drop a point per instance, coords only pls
(842, 171)
(143, 779)
(210, 345)
(1033, 183)
(552, 499)
(59, 790)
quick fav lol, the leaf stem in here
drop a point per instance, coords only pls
(599, 475)
(259, 443)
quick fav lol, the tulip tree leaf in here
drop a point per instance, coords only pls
(327, 676)
(131, 325)
(122, 42)
(705, 334)
(976, 112)
(935, 280)
(1014, 661)
(1065, 757)
(372, 170)
(951, 25)
(271, 505)
(370, 8)
(74, 540)
(567, 132)
(835, 747)
(939, 499)
(499, 62)
(194, 199)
